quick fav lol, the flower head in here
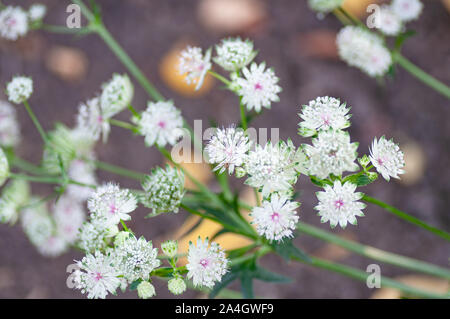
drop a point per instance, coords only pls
(69, 217)
(112, 203)
(161, 123)
(194, 65)
(228, 149)
(331, 153)
(259, 87)
(9, 126)
(387, 158)
(145, 290)
(324, 6)
(37, 224)
(92, 120)
(272, 168)
(407, 10)
(276, 219)
(19, 89)
(4, 167)
(13, 23)
(164, 190)
(364, 50)
(96, 275)
(176, 285)
(83, 172)
(95, 235)
(16, 193)
(323, 113)
(136, 258)
(206, 265)
(233, 54)
(170, 248)
(37, 12)
(339, 204)
(53, 246)
(116, 95)
(388, 22)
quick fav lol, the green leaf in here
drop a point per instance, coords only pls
(247, 286)
(287, 251)
(268, 276)
(358, 179)
(226, 280)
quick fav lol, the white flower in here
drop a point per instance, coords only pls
(323, 113)
(19, 89)
(83, 172)
(164, 190)
(97, 276)
(136, 258)
(206, 265)
(69, 217)
(116, 95)
(112, 203)
(364, 50)
(37, 223)
(194, 65)
(53, 246)
(259, 87)
(388, 22)
(407, 10)
(4, 167)
(339, 204)
(228, 149)
(277, 218)
(161, 123)
(15, 194)
(387, 158)
(91, 119)
(271, 168)
(170, 248)
(37, 12)
(13, 23)
(176, 286)
(233, 54)
(145, 290)
(331, 153)
(9, 126)
(95, 235)
(324, 5)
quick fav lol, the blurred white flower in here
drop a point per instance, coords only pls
(259, 87)
(276, 219)
(53, 246)
(69, 216)
(388, 22)
(116, 95)
(233, 54)
(4, 167)
(161, 123)
(228, 149)
(407, 10)
(37, 12)
(339, 204)
(363, 49)
(19, 89)
(13, 23)
(387, 158)
(206, 265)
(194, 65)
(82, 172)
(9, 126)
(90, 118)
(15, 194)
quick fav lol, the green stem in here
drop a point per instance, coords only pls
(374, 253)
(124, 226)
(351, 17)
(37, 179)
(36, 122)
(421, 75)
(62, 29)
(362, 276)
(243, 116)
(408, 218)
(225, 185)
(27, 166)
(133, 111)
(123, 124)
(220, 77)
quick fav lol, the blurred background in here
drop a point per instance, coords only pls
(301, 47)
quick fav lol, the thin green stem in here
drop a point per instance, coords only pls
(125, 227)
(27, 166)
(123, 124)
(37, 179)
(375, 253)
(63, 29)
(421, 75)
(362, 276)
(225, 185)
(351, 17)
(133, 111)
(36, 122)
(407, 217)
(220, 77)
(243, 116)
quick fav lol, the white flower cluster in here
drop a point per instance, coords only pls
(9, 126)
(194, 65)
(332, 154)
(164, 190)
(257, 87)
(390, 19)
(19, 89)
(15, 22)
(206, 263)
(4, 167)
(14, 195)
(324, 6)
(365, 50)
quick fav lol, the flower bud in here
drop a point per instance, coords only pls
(177, 286)
(170, 248)
(145, 290)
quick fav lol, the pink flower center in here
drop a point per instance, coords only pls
(113, 209)
(98, 276)
(162, 124)
(325, 119)
(11, 22)
(339, 203)
(258, 87)
(204, 262)
(380, 161)
(100, 119)
(275, 217)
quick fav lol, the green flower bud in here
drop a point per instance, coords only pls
(145, 290)
(170, 248)
(177, 286)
